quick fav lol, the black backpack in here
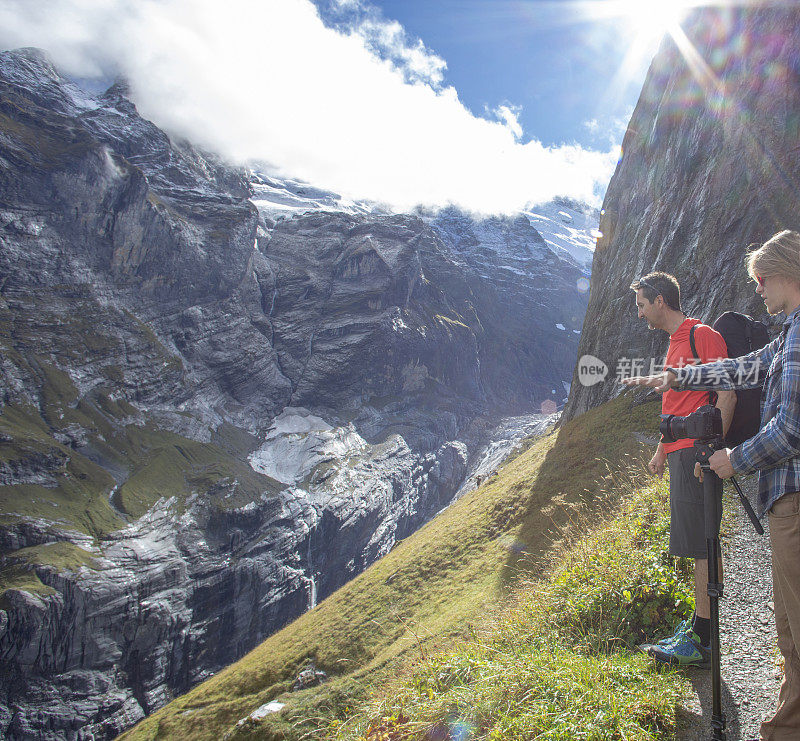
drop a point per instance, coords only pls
(742, 335)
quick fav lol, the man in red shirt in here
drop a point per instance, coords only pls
(658, 299)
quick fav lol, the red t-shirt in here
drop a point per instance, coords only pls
(710, 346)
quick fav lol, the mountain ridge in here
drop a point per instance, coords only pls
(153, 327)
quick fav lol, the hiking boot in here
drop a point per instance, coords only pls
(680, 632)
(677, 636)
(688, 651)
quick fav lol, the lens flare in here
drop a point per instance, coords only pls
(548, 406)
(461, 731)
(511, 544)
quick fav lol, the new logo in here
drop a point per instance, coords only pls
(591, 370)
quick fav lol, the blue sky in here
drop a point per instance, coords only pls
(491, 105)
(557, 63)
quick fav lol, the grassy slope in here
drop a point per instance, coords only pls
(560, 662)
(428, 590)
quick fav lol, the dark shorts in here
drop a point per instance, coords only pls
(687, 534)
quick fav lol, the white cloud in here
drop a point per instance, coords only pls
(509, 115)
(364, 112)
(620, 123)
(609, 129)
(389, 39)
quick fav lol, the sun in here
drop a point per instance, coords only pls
(645, 20)
(650, 19)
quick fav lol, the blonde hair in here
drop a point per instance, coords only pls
(779, 255)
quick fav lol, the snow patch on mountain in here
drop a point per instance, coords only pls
(277, 198)
(298, 441)
(568, 227)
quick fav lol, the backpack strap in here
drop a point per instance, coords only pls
(693, 346)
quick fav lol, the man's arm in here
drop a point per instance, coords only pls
(658, 462)
(726, 403)
(746, 372)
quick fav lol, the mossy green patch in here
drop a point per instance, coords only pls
(75, 490)
(109, 406)
(57, 392)
(236, 441)
(21, 578)
(61, 554)
(113, 373)
(18, 572)
(18, 421)
(169, 465)
(69, 448)
(78, 501)
(158, 464)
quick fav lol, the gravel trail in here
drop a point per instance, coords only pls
(750, 673)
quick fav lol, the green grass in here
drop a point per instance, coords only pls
(561, 662)
(69, 489)
(18, 572)
(160, 464)
(42, 438)
(427, 592)
(169, 465)
(77, 499)
(21, 578)
(73, 491)
(535, 690)
(62, 555)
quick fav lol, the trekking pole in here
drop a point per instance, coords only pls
(712, 503)
(747, 508)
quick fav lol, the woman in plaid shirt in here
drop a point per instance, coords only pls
(774, 451)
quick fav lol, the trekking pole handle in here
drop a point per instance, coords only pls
(747, 507)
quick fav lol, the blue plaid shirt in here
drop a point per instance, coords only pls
(774, 451)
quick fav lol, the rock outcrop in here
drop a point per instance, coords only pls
(210, 418)
(710, 165)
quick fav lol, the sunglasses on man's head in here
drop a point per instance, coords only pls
(760, 280)
(643, 283)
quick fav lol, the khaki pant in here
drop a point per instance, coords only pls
(784, 535)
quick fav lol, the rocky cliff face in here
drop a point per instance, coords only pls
(212, 417)
(710, 165)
